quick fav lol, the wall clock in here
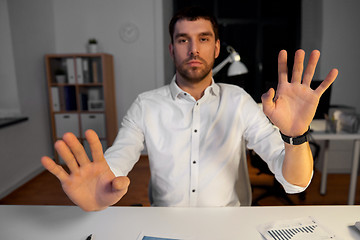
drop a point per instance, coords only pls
(129, 32)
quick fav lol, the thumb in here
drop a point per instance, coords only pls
(120, 183)
(267, 99)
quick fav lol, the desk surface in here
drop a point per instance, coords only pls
(322, 135)
(69, 222)
(319, 133)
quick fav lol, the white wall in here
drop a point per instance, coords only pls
(22, 145)
(332, 27)
(311, 29)
(169, 68)
(39, 27)
(341, 47)
(139, 65)
(9, 98)
(340, 44)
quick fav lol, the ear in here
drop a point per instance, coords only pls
(217, 48)
(171, 50)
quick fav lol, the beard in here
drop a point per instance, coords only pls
(194, 74)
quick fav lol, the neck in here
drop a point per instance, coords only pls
(195, 89)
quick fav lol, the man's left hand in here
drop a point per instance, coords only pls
(294, 104)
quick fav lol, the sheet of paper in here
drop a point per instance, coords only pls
(296, 229)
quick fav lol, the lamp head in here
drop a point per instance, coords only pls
(234, 55)
(236, 67)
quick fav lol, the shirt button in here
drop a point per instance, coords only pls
(194, 162)
(193, 190)
(195, 130)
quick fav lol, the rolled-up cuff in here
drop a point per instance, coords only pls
(291, 188)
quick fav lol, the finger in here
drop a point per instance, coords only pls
(55, 169)
(95, 145)
(67, 156)
(120, 183)
(298, 67)
(330, 78)
(310, 68)
(268, 100)
(76, 148)
(282, 67)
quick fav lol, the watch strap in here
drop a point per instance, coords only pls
(295, 140)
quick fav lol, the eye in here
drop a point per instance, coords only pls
(182, 40)
(204, 39)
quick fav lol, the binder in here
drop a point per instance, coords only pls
(62, 98)
(95, 72)
(79, 71)
(86, 73)
(70, 98)
(70, 70)
(55, 99)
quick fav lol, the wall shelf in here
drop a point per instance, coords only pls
(83, 98)
(4, 122)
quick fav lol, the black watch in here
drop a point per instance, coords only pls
(295, 140)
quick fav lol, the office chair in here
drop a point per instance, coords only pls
(276, 189)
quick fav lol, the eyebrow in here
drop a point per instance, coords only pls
(178, 35)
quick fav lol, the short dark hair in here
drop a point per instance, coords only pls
(192, 14)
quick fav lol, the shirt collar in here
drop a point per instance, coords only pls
(175, 90)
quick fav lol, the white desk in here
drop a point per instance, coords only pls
(126, 223)
(321, 135)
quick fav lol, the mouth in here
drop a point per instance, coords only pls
(194, 63)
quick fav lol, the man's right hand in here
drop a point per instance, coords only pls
(90, 184)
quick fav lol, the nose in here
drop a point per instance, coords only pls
(194, 50)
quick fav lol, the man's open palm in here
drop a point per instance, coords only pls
(90, 184)
(293, 106)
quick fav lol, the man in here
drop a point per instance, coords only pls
(193, 130)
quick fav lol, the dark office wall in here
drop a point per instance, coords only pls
(258, 30)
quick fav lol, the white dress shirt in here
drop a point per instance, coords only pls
(194, 146)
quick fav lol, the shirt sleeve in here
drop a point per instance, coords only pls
(291, 188)
(129, 142)
(265, 140)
